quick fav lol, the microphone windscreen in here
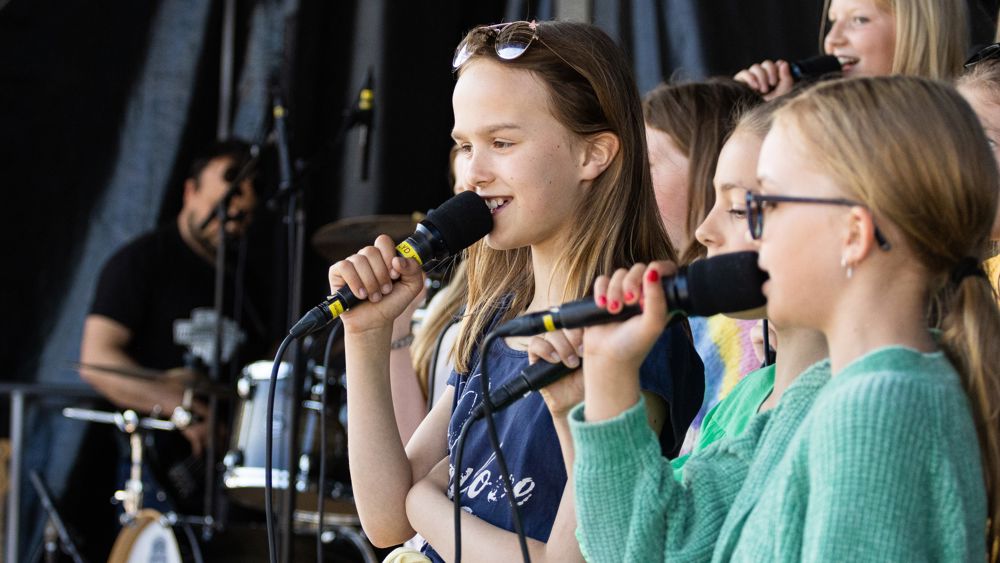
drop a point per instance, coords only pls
(462, 220)
(815, 67)
(727, 283)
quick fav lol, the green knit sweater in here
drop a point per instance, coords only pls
(879, 463)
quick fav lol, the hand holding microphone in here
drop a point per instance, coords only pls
(371, 273)
(563, 347)
(613, 353)
(776, 78)
(728, 283)
(378, 275)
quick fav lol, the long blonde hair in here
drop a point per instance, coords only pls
(936, 183)
(591, 90)
(439, 317)
(932, 36)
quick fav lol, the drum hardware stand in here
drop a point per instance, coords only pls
(130, 423)
(63, 539)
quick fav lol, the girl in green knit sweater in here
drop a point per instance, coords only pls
(878, 196)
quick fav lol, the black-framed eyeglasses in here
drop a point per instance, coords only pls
(757, 203)
(510, 40)
(984, 54)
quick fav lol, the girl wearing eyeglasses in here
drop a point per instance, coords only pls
(880, 37)
(549, 128)
(980, 86)
(895, 453)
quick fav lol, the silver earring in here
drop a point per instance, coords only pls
(850, 271)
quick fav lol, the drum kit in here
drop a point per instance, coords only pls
(148, 534)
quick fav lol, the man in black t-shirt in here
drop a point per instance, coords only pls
(153, 307)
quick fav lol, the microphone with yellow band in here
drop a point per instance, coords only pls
(451, 228)
(727, 283)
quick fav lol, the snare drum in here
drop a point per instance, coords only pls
(244, 462)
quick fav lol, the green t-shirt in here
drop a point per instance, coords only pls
(731, 415)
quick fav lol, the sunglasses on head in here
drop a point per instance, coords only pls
(510, 41)
(985, 54)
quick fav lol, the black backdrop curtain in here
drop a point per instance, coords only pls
(104, 104)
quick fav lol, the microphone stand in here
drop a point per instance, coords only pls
(215, 367)
(295, 221)
(358, 113)
(289, 195)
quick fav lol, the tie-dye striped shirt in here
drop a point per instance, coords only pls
(727, 352)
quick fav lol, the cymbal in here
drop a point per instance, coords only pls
(198, 386)
(344, 237)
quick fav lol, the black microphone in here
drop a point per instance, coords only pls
(452, 227)
(364, 115)
(531, 378)
(727, 283)
(814, 67)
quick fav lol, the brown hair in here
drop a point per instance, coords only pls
(698, 117)
(931, 36)
(936, 183)
(591, 90)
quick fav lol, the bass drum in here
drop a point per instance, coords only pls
(149, 537)
(244, 462)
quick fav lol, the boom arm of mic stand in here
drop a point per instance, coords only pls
(234, 187)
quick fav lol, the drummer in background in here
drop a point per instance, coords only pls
(157, 291)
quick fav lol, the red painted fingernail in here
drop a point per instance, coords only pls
(602, 300)
(615, 305)
(629, 296)
(653, 276)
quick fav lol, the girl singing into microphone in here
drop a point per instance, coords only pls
(894, 453)
(880, 37)
(549, 125)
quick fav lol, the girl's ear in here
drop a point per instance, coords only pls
(599, 151)
(859, 239)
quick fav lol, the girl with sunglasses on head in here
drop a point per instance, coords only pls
(925, 38)
(549, 125)
(894, 453)
(980, 86)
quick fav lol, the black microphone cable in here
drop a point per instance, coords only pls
(272, 545)
(501, 462)
(321, 495)
(769, 353)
